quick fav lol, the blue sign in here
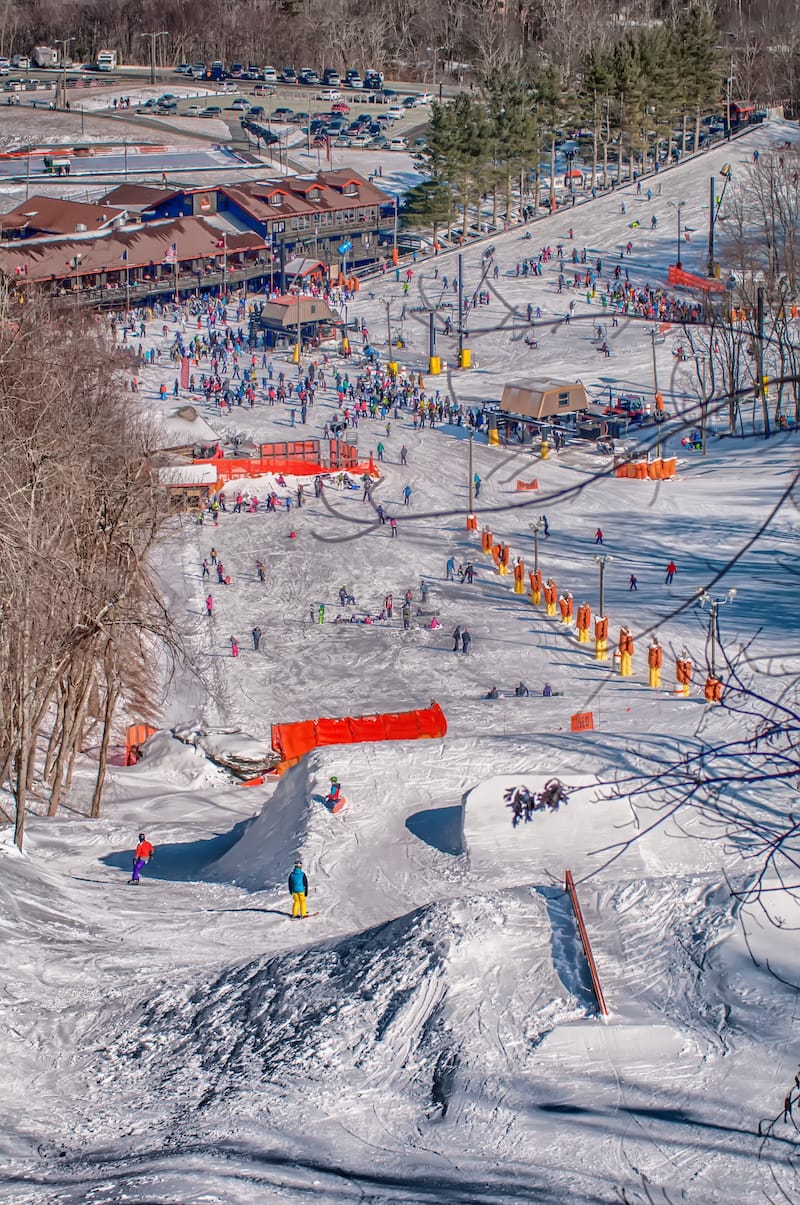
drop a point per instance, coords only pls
(344, 247)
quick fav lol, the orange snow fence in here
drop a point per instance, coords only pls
(135, 737)
(527, 485)
(642, 470)
(677, 276)
(293, 741)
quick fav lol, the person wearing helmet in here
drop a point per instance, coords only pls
(144, 853)
(298, 886)
(335, 791)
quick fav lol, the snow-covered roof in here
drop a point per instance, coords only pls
(188, 474)
(185, 426)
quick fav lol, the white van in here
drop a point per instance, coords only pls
(21, 62)
(269, 75)
(397, 144)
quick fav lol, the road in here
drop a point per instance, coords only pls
(132, 164)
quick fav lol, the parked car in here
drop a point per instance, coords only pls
(342, 140)
(397, 144)
(184, 69)
(410, 102)
(240, 103)
(394, 112)
(353, 80)
(236, 70)
(210, 111)
(289, 75)
(330, 94)
(309, 77)
(269, 75)
(256, 112)
(282, 113)
(192, 111)
(340, 106)
(331, 78)
(360, 140)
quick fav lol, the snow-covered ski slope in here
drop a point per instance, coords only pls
(431, 1034)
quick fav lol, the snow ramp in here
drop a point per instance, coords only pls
(293, 741)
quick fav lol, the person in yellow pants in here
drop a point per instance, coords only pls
(298, 886)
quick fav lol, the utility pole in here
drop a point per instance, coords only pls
(762, 393)
(388, 307)
(655, 390)
(460, 308)
(712, 202)
(162, 33)
(63, 42)
(471, 482)
(602, 561)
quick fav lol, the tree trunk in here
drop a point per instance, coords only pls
(108, 718)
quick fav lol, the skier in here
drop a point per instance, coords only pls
(450, 568)
(457, 639)
(633, 585)
(234, 646)
(206, 572)
(493, 693)
(545, 525)
(256, 634)
(406, 495)
(393, 526)
(548, 690)
(521, 691)
(476, 482)
(672, 569)
(466, 641)
(388, 605)
(261, 571)
(598, 536)
(404, 455)
(143, 855)
(298, 886)
(406, 613)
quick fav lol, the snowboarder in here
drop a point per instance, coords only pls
(298, 886)
(521, 691)
(672, 569)
(335, 792)
(143, 855)
(548, 690)
(493, 693)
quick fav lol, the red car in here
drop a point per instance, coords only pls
(340, 106)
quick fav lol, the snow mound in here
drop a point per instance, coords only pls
(413, 1015)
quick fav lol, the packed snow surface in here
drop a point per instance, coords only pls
(429, 1033)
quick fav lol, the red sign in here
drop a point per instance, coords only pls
(582, 721)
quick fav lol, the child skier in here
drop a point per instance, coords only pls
(143, 855)
(298, 886)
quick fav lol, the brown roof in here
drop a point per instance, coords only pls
(256, 197)
(53, 215)
(146, 246)
(283, 312)
(137, 196)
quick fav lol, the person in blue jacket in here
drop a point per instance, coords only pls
(298, 886)
(335, 791)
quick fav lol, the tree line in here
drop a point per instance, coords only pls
(82, 624)
(625, 101)
(407, 38)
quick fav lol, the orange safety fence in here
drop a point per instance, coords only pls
(135, 737)
(293, 741)
(677, 276)
(654, 470)
(527, 485)
(231, 469)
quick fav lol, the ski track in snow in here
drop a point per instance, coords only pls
(429, 1035)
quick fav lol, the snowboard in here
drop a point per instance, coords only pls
(338, 804)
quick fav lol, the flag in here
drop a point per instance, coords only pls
(222, 242)
(171, 254)
(124, 255)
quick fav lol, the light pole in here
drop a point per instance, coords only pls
(154, 36)
(678, 207)
(536, 528)
(714, 604)
(65, 43)
(434, 50)
(602, 561)
(714, 206)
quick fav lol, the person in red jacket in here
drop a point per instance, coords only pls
(144, 853)
(672, 569)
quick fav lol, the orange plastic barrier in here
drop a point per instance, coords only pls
(230, 470)
(135, 737)
(528, 485)
(293, 741)
(677, 276)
